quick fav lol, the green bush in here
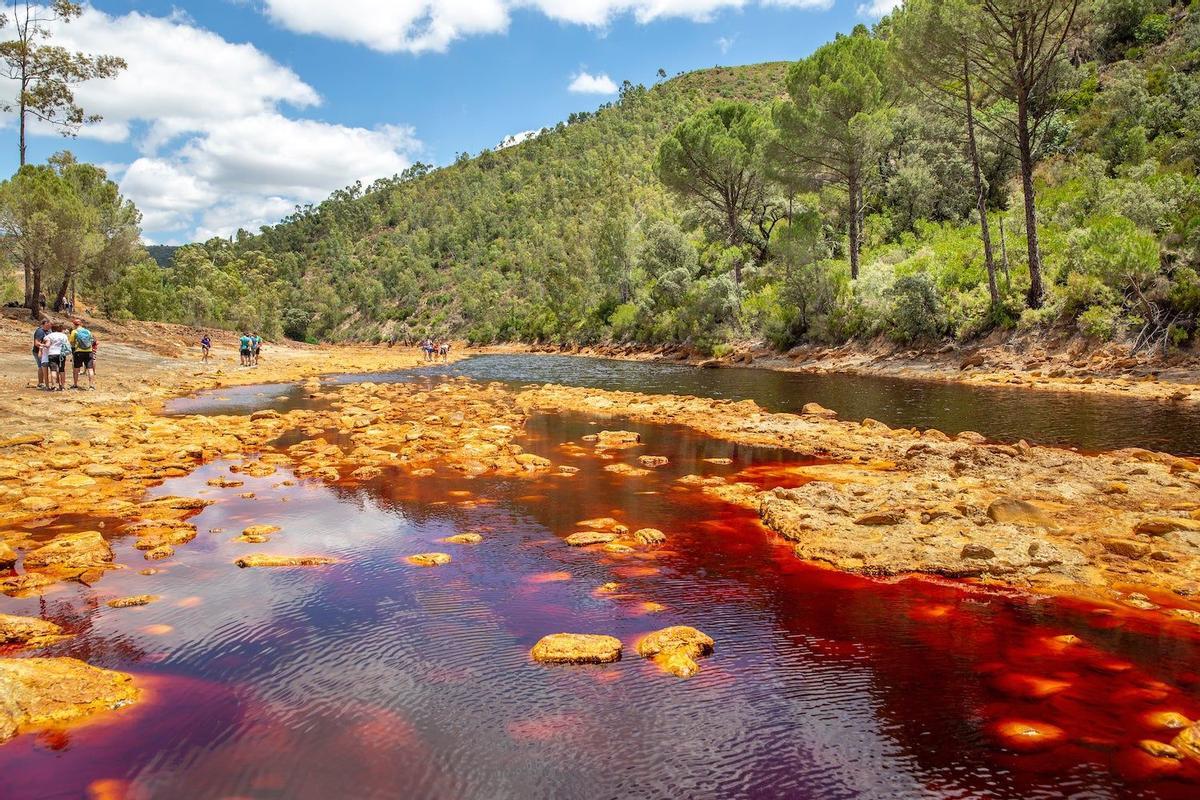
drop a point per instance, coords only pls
(1099, 321)
(916, 310)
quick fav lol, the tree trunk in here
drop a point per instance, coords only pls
(1036, 291)
(28, 281)
(35, 295)
(60, 298)
(855, 222)
(985, 233)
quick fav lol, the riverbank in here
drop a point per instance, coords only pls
(1041, 362)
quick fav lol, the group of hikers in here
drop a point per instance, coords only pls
(434, 350)
(249, 348)
(56, 343)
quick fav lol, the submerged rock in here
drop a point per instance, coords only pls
(28, 631)
(576, 648)
(650, 536)
(51, 691)
(428, 559)
(269, 560)
(653, 461)
(1027, 736)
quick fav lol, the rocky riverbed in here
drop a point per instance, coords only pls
(1120, 528)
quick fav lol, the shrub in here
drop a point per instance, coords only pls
(916, 310)
(1100, 321)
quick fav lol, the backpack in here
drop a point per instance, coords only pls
(83, 339)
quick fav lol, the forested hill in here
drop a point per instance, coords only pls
(509, 244)
(904, 180)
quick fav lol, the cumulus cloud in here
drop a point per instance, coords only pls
(214, 149)
(516, 138)
(586, 83)
(877, 9)
(418, 26)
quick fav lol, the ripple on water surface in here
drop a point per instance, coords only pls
(389, 678)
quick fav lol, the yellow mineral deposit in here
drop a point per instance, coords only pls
(36, 692)
(272, 560)
(428, 559)
(675, 649)
(463, 538)
(576, 648)
(135, 600)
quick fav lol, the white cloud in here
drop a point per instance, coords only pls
(418, 26)
(724, 43)
(586, 83)
(215, 151)
(877, 9)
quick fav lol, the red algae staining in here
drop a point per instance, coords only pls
(931, 611)
(1028, 687)
(190, 602)
(548, 577)
(1165, 720)
(1027, 736)
(112, 789)
(158, 630)
(543, 729)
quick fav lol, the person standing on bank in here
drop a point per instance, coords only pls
(39, 354)
(56, 346)
(83, 350)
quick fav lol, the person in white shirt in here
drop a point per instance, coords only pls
(57, 347)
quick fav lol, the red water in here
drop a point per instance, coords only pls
(373, 678)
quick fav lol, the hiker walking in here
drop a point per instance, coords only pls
(56, 346)
(205, 347)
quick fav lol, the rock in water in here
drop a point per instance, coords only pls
(586, 538)
(268, 560)
(1188, 742)
(72, 553)
(45, 691)
(28, 631)
(130, 602)
(577, 648)
(650, 536)
(463, 538)
(428, 559)
(676, 649)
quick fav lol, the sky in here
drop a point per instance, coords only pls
(233, 112)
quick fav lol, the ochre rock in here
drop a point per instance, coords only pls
(1188, 742)
(676, 649)
(52, 691)
(269, 560)
(653, 461)
(428, 559)
(650, 536)
(260, 531)
(28, 631)
(73, 552)
(577, 648)
(135, 600)
(463, 538)
(586, 538)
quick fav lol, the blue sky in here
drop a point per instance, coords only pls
(234, 111)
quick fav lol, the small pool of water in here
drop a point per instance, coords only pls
(375, 679)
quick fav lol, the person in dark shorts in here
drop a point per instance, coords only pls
(83, 350)
(244, 349)
(255, 348)
(57, 347)
(39, 353)
(205, 347)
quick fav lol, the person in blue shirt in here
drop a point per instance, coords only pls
(255, 348)
(244, 349)
(205, 347)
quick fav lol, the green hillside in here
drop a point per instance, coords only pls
(831, 199)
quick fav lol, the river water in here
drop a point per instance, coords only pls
(376, 679)
(1069, 419)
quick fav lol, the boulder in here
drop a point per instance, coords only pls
(1188, 742)
(463, 538)
(28, 631)
(653, 461)
(8, 556)
(1162, 525)
(586, 538)
(428, 559)
(53, 691)
(72, 553)
(818, 410)
(576, 648)
(676, 649)
(650, 536)
(1012, 510)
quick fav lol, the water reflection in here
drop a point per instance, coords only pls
(393, 680)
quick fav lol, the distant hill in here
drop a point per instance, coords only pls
(163, 254)
(503, 245)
